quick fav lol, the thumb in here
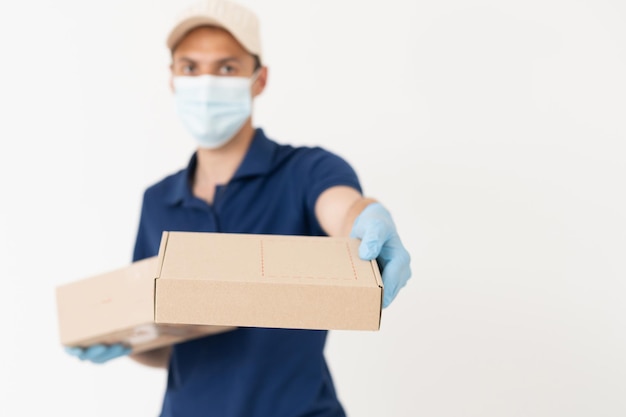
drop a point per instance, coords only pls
(372, 241)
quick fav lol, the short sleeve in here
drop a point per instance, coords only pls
(141, 245)
(149, 230)
(323, 170)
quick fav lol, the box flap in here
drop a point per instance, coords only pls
(266, 258)
(161, 254)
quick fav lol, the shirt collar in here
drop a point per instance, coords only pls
(257, 161)
(259, 157)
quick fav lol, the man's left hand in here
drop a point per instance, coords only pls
(380, 240)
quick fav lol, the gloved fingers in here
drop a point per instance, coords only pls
(380, 241)
(92, 352)
(98, 353)
(395, 276)
(111, 352)
(395, 263)
(393, 249)
(74, 351)
(102, 353)
(376, 234)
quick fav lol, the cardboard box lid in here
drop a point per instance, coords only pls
(266, 281)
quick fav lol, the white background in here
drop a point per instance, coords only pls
(493, 130)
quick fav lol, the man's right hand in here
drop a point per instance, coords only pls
(99, 353)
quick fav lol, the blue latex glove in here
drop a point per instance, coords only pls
(98, 353)
(380, 240)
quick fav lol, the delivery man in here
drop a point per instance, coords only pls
(240, 181)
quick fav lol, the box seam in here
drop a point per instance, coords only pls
(162, 250)
(379, 281)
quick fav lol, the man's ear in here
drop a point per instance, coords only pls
(172, 78)
(261, 81)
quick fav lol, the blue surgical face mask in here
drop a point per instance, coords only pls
(213, 108)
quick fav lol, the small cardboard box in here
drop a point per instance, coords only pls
(118, 307)
(204, 283)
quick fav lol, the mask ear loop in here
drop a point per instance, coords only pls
(255, 76)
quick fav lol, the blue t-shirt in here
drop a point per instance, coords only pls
(249, 372)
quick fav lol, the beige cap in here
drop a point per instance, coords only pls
(240, 21)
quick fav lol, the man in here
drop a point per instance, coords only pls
(239, 181)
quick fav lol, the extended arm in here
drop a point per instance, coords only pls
(342, 211)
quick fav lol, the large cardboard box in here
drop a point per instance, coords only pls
(205, 283)
(266, 281)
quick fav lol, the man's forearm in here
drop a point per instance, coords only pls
(157, 358)
(338, 207)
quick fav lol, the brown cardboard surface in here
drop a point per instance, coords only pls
(123, 298)
(118, 307)
(266, 281)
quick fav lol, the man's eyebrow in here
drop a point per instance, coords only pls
(221, 61)
(184, 58)
(228, 59)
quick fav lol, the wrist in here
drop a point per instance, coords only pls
(354, 211)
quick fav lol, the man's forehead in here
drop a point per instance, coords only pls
(209, 39)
